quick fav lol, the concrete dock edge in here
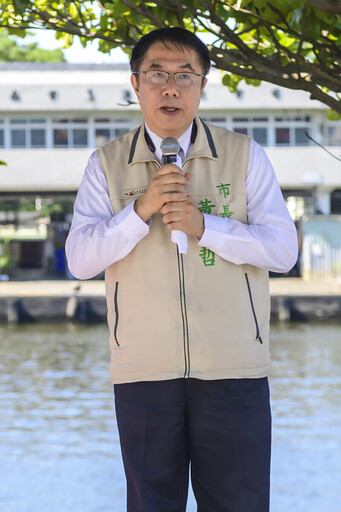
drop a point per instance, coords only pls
(292, 299)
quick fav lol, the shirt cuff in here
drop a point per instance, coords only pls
(130, 223)
(213, 226)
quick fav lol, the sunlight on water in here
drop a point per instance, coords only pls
(306, 398)
(59, 447)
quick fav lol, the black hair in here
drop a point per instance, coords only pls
(176, 36)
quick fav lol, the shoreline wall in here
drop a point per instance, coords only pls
(92, 309)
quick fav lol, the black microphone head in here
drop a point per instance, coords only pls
(170, 146)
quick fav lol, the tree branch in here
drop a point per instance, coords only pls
(327, 5)
(228, 63)
(145, 12)
(325, 149)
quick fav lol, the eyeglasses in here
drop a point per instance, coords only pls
(181, 79)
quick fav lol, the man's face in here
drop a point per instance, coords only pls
(168, 109)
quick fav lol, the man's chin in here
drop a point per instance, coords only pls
(168, 127)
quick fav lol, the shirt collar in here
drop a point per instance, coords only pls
(201, 144)
(184, 141)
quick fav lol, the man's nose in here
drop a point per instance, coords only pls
(170, 88)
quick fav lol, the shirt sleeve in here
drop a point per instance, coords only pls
(269, 239)
(97, 237)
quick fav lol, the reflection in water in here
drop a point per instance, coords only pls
(306, 398)
(59, 447)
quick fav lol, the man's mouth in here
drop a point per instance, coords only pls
(169, 109)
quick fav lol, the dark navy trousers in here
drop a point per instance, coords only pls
(219, 429)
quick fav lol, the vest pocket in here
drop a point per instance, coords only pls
(258, 337)
(116, 313)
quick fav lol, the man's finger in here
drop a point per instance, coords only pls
(169, 169)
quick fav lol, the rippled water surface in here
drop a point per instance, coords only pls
(59, 449)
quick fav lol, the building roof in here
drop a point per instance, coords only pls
(38, 87)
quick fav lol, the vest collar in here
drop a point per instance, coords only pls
(142, 148)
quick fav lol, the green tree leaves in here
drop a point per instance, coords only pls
(11, 51)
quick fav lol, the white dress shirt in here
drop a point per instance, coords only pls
(98, 237)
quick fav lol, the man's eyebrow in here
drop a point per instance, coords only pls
(185, 66)
(156, 65)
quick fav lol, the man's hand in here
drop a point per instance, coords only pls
(168, 185)
(185, 216)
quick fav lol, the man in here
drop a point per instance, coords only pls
(189, 333)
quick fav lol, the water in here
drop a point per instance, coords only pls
(59, 449)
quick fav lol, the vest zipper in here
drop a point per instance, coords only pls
(258, 337)
(116, 313)
(183, 309)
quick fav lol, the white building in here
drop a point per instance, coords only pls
(52, 116)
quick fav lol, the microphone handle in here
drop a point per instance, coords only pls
(178, 237)
(169, 159)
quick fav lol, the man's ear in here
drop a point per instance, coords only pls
(134, 83)
(203, 86)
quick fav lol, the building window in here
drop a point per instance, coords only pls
(18, 135)
(111, 129)
(80, 137)
(274, 130)
(38, 138)
(334, 135)
(240, 119)
(68, 133)
(290, 130)
(105, 135)
(37, 121)
(292, 118)
(63, 132)
(61, 120)
(301, 138)
(216, 120)
(26, 133)
(335, 201)
(292, 136)
(60, 138)
(18, 121)
(79, 120)
(256, 127)
(102, 133)
(102, 136)
(282, 136)
(18, 138)
(260, 135)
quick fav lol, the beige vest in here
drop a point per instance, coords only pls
(195, 315)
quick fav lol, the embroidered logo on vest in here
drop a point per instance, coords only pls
(134, 192)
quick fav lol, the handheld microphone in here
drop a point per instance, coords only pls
(170, 148)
